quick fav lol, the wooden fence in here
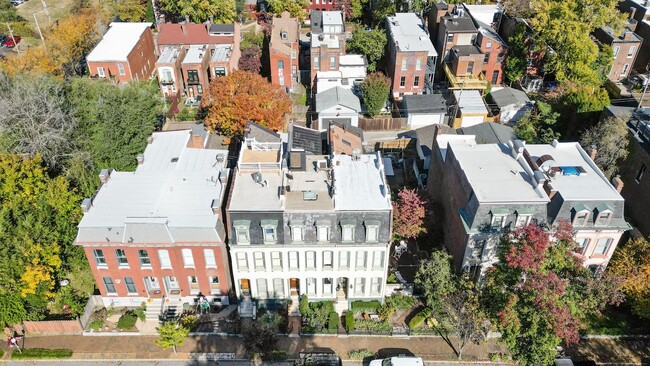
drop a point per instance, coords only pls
(381, 123)
(53, 327)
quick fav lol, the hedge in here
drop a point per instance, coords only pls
(360, 354)
(349, 321)
(333, 323)
(361, 306)
(127, 320)
(41, 353)
(418, 319)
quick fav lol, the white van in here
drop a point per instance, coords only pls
(398, 361)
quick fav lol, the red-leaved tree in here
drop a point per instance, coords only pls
(409, 212)
(250, 59)
(540, 293)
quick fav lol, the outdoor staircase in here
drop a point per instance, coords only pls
(154, 309)
(341, 306)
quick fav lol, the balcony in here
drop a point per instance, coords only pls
(167, 82)
(465, 82)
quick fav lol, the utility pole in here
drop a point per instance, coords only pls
(11, 33)
(46, 11)
(40, 32)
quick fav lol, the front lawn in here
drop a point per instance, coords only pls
(41, 353)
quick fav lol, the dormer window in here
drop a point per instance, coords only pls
(523, 220)
(604, 215)
(581, 214)
(297, 232)
(269, 231)
(498, 219)
(372, 230)
(242, 234)
(347, 230)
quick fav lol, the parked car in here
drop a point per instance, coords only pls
(12, 41)
(3, 39)
(17, 2)
(398, 361)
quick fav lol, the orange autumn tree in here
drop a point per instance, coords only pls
(242, 96)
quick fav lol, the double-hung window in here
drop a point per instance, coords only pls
(110, 287)
(582, 245)
(327, 286)
(100, 260)
(347, 230)
(310, 260)
(375, 285)
(269, 228)
(602, 246)
(194, 285)
(361, 260)
(130, 286)
(258, 259)
(188, 259)
(276, 261)
(323, 231)
(215, 289)
(311, 286)
(359, 286)
(120, 254)
(262, 288)
(145, 261)
(344, 259)
(522, 220)
(403, 64)
(297, 232)
(242, 228)
(328, 260)
(242, 263)
(372, 231)
(377, 259)
(293, 261)
(165, 262)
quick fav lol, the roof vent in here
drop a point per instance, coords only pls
(174, 160)
(140, 159)
(355, 154)
(309, 196)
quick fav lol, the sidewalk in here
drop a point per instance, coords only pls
(143, 347)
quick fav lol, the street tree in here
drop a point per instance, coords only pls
(296, 8)
(199, 11)
(409, 213)
(171, 335)
(380, 9)
(610, 137)
(632, 263)
(71, 39)
(261, 338)
(240, 97)
(436, 280)
(374, 91)
(368, 43)
(250, 60)
(352, 8)
(540, 295)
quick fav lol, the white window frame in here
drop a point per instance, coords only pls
(127, 284)
(242, 234)
(258, 262)
(210, 259)
(100, 72)
(273, 234)
(310, 260)
(278, 288)
(121, 69)
(377, 259)
(328, 288)
(328, 260)
(375, 285)
(146, 258)
(109, 283)
(582, 247)
(359, 286)
(242, 262)
(262, 291)
(361, 260)
(188, 258)
(347, 238)
(323, 233)
(344, 259)
(165, 261)
(297, 233)
(99, 256)
(608, 244)
(577, 219)
(625, 69)
(193, 282)
(294, 260)
(215, 287)
(488, 45)
(311, 286)
(523, 220)
(616, 50)
(404, 66)
(332, 62)
(496, 218)
(316, 61)
(608, 218)
(418, 64)
(118, 257)
(276, 261)
(630, 51)
(372, 233)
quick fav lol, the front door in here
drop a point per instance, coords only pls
(153, 287)
(342, 288)
(245, 287)
(171, 284)
(294, 287)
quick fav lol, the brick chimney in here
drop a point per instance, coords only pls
(104, 175)
(617, 182)
(197, 137)
(592, 151)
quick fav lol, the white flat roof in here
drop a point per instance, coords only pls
(360, 184)
(118, 42)
(495, 176)
(331, 40)
(470, 101)
(408, 32)
(332, 18)
(248, 195)
(352, 60)
(195, 54)
(175, 185)
(590, 185)
(483, 13)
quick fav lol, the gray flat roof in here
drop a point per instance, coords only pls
(470, 101)
(169, 55)
(425, 104)
(337, 96)
(508, 96)
(172, 190)
(221, 53)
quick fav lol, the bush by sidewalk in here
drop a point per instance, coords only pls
(41, 353)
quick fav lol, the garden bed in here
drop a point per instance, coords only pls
(117, 320)
(318, 317)
(41, 353)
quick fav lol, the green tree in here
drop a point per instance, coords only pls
(582, 105)
(381, 9)
(261, 338)
(222, 11)
(436, 280)
(12, 310)
(538, 125)
(610, 136)
(39, 217)
(295, 7)
(515, 65)
(372, 44)
(374, 91)
(540, 295)
(171, 335)
(353, 8)
(632, 263)
(129, 10)
(250, 39)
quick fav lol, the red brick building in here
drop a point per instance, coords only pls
(411, 56)
(126, 52)
(283, 51)
(158, 232)
(625, 47)
(322, 5)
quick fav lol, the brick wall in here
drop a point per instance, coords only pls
(410, 75)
